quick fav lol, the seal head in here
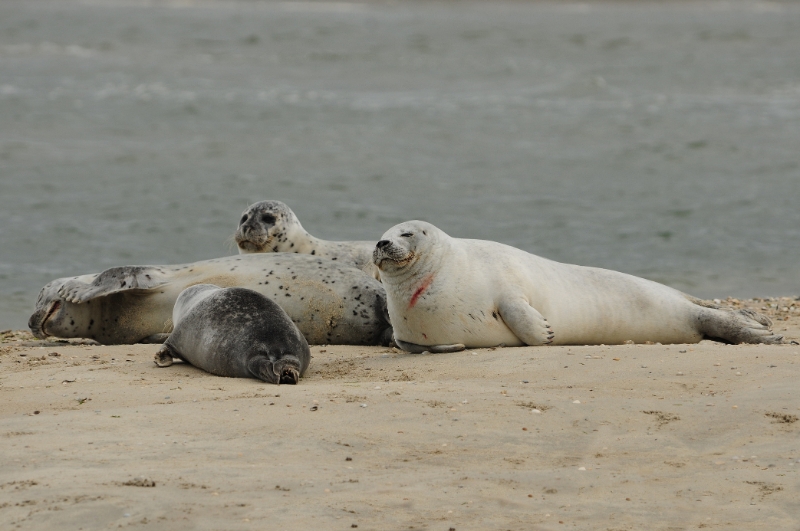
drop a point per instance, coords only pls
(56, 317)
(401, 246)
(267, 226)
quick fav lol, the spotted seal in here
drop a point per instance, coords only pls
(331, 303)
(446, 293)
(271, 226)
(235, 332)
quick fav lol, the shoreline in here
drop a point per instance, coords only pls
(593, 437)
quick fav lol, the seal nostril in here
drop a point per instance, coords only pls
(383, 243)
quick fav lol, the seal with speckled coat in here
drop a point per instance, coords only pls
(446, 293)
(272, 227)
(235, 332)
(331, 303)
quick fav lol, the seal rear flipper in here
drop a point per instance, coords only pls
(163, 357)
(737, 326)
(435, 349)
(525, 321)
(112, 281)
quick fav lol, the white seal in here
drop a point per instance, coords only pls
(235, 332)
(445, 293)
(272, 227)
(331, 303)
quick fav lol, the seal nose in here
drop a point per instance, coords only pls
(383, 243)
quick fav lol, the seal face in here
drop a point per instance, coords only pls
(445, 293)
(235, 332)
(272, 227)
(330, 302)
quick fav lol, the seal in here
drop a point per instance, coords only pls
(445, 294)
(331, 303)
(272, 227)
(235, 332)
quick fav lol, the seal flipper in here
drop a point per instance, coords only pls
(261, 367)
(112, 281)
(436, 349)
(163, 357)
(737, 326)
(525, 321)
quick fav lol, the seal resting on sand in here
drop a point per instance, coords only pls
(330, 303)
(235, 332)
(272, 227)
(446, 293)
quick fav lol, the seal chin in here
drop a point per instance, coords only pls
(249, 247)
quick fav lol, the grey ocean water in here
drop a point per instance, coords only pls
(659, 139)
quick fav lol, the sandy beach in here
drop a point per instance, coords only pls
(627, 437)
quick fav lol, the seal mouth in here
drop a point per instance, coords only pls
(37, 329)
(250, 246)
(396, 255)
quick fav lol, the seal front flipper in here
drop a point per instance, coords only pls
(112, 281)
(525, 321)
(436, 349)
(283, 371)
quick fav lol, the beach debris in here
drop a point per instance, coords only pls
(140, 482)
(661, 417)
(576, 401)
(782, 418)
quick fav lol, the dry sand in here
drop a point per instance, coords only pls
(634, 437)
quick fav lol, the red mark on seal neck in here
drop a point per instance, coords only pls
(426, 282)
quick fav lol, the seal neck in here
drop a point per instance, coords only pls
(298, 240)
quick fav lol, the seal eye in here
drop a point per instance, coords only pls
(407, 234)
(269, 219)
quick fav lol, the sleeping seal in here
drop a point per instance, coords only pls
(272, 227)
(446, 293)
(331, 303)
(235, 332)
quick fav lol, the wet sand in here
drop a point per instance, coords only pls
(626, 437)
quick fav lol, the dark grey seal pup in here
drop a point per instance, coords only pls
(272, 227)
(235, 332)
(330, 302)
